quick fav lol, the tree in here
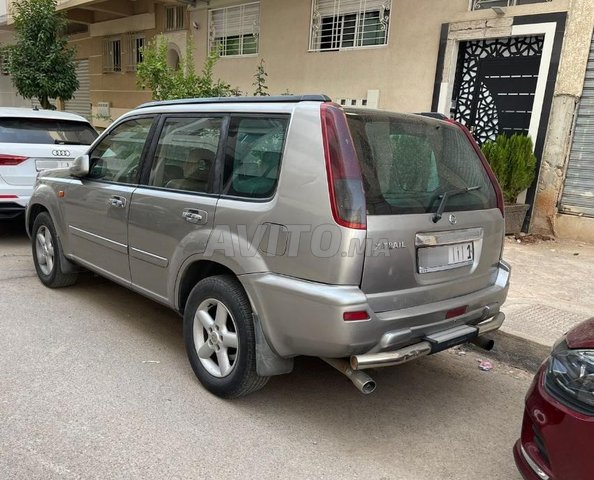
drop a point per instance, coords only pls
(40, 62)
(260, 81)
(168, 83)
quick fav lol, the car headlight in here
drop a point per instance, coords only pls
(570, 377)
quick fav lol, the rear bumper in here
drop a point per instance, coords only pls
(12, 207)
(306, 318)
(13, 199)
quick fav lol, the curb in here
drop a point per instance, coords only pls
(518, 351)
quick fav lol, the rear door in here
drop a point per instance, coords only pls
(96, 208)
(413, 257)
(172, 215)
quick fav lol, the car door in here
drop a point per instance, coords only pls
(172, 213)
(96, 208)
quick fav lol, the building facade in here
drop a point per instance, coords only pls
(496, 65)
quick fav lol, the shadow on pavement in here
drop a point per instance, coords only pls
(13, 229)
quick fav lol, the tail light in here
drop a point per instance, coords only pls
(347, 197)
(492, 177)
(11, 160)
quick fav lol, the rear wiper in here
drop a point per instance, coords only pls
(65, 142)
(446, 196)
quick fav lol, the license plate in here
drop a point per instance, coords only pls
(445, 257)
(460, 253)
(49, 164)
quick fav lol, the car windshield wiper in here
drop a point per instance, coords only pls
(447, 195)
(65, 142)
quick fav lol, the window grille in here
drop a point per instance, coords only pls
(175, 18)
(235, 30)
(338, 24)
(136, 42)
(485, 4)
(112, 55)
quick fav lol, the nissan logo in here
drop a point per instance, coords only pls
(61, 153)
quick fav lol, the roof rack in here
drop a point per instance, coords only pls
(276, 99)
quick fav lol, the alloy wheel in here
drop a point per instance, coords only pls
(44, 250)
(215, 338)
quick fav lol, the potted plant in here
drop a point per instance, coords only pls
(514, 164)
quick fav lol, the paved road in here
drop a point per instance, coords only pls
(94, 383)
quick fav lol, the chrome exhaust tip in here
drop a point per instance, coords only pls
(363, 382)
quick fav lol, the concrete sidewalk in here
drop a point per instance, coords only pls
(552, 289)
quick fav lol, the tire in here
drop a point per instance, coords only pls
(217, 317)
(47, 253)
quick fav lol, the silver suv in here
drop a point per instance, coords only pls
(285, 226)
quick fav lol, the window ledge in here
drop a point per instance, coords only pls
(348, 49)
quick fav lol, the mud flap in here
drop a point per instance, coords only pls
(268, 363)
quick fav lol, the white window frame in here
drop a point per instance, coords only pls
(338, 10)
(134, 56)
(110, 65)
(246, 24)
(178, 18)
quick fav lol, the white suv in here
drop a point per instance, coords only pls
(34, 140)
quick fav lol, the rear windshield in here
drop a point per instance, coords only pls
(409, 162)
(42, 131)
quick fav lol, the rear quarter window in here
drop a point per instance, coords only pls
(408, 163)
(253, 156)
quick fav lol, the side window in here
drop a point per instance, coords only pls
(117, 157)
(186, 154)
(253, 156)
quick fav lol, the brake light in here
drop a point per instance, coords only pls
(345, 183)
(11, 160)
(492, 177)
(4, 197)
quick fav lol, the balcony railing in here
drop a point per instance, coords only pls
(484, 4)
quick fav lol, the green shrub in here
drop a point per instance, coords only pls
(513, 162)
(168, 83)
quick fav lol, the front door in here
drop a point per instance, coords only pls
(172, 215)
(496, 85)
(96, 208)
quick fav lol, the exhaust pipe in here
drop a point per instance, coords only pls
(388, 359)
(364, 383)
(484, 343)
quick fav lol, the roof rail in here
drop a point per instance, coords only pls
(276, 99)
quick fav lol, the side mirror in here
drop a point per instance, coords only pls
(80, 166)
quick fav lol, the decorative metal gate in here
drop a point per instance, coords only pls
(496, 84)
(578, 194)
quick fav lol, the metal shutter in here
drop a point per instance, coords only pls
(578, 194)
(81, 103)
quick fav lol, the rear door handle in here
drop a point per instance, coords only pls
(195, 216)
(117, 201)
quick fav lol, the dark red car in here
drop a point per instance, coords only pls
(557, 441)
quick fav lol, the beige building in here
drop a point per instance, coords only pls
(496, 65)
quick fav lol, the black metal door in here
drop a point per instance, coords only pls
(496, 85)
